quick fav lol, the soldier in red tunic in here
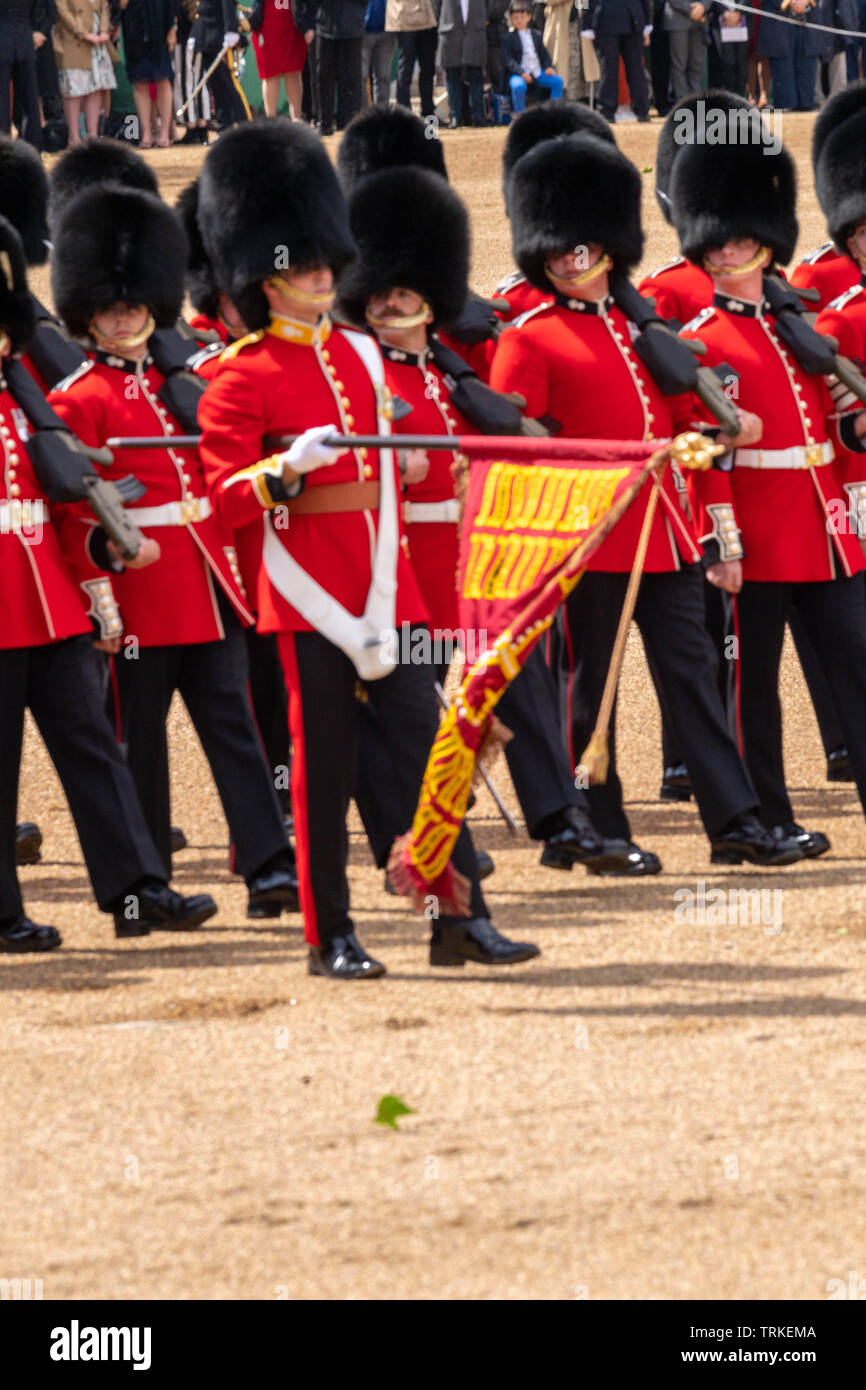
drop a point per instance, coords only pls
(406, 288)
(267, 685)
(575, 218)
(117, 271)
(772, 515)
(544, 122)
(47, 664)
(829, 269)
(843, 196)
(681, 290)
(335, 580)
(392, 137)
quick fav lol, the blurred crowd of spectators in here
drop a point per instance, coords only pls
(59, 58)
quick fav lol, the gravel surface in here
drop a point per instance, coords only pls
(652, 1109)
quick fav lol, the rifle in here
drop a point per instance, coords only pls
(670, 359)
(817, 353)
(65, 469)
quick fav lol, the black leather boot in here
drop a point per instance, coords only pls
(573, 840)
(745, 840)
(676, 785)
(476, 939)
(28, 843)
(344, 958)
(23, 935)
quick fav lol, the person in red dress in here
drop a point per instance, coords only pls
(281, 53)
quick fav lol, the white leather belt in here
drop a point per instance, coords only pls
(17, 515)
(172, 513)
(797, 456)
(432, 511)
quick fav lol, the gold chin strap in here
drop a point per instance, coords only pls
(424, 315)
(566, 284)
(312, 299)
(763, 256)
(121, 346)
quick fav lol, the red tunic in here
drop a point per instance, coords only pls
(521, 296)
(271, 385)
(845, 320)
(173, 601)
(680, 289)
(826, 271)
(41, 601)
(478, 355)
(208, 325)
(279, 46)
(784, 513)
(578, 366)
(433, 545)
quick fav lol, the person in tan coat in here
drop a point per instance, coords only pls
(85, 67)
(557, 14)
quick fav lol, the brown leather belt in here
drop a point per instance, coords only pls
(336, 497)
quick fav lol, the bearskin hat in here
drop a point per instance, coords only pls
(24, 196)
(92, 162)
(724, 191)
(546, 122)
(431, 256)
(693, 113)
(268, 189)
(849, 102)
(840, 168)
(17, 312)
(570, 192)
(201, 284)
(382, 137)
(118, 244)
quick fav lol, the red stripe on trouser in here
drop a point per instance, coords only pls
(289, 661)
(737, 698)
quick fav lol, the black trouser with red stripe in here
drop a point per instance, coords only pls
(833, 614)
(211, 678)
(670, 615)
(718, 605)
(61, 683)
(323, 719)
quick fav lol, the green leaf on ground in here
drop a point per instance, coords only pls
(390, 1107)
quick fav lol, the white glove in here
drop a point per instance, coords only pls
(647, 29)
(308, 452)
(231, 40)
(587, 34)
